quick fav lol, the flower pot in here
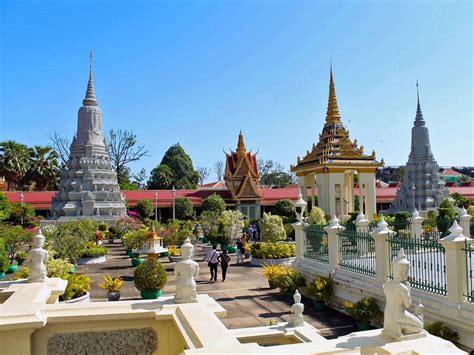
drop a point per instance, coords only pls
(2, 275)
(83, 299)
(272, 284)
(230, 249)
(12, 269)
(113, 296)
(175, 259)
(164, 254)
(150, 295)
(134, 255)
(319, 306)
(363, 326)
(73, 269)
(137, 261)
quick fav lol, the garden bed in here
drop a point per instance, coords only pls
(92, 260)
(260, 262)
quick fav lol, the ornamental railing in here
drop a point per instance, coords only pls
(469, 249)
(357, 252)
(316, 246)
(427, 259)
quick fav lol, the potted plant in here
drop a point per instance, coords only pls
(92, 254)
(320, 290)
(174, 253)
(20, 257)
(77, 290)
(363, 311)
(136, 260)
(289, 281)
(150, 277)
(271, 272)
(112, 284)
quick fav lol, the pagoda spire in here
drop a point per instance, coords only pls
(332, 114)
(241, 144)
(419, 121)
(90, 99)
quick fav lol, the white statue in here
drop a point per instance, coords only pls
(398, 321)
(185, 271)
(297, 311)
(37, 258)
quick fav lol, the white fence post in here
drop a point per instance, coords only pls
(415, 224)
(382, 254)
(362, 223)
(465, 222)
(300, 236)
(456, 270)
(333, 243)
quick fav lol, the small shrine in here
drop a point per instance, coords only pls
(153, 247)
(331, 166)
(241, 178)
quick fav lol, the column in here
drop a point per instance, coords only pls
(332, 199)
(416, 228)
(465, 222)
(333, 243)
(456, 270)
(368, 179)
(300, 239)
(382, 253)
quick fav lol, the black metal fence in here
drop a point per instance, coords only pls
(357, 252)
(316, 243)
(469, 249)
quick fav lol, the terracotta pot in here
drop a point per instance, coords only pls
(150, 295)
(113, 296)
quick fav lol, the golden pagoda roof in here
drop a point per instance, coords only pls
(335, 146)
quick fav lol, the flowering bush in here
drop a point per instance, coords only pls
(272, 250)
(316, 216)
(127, 224)
(272, 228)
(232, 222)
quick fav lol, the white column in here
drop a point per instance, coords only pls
(332, 199)
(382, 254)
(333, 243)
(300, 239)
(456, 271)
(465, 222)
(415, 224)
(368, 179)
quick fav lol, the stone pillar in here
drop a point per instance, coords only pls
(456, 271)
(368, 179)
(300, 239)
(362, 223)
(333, 243)
(382, 253)
(465, 222)
(415, 224)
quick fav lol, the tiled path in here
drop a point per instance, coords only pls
(245, 293)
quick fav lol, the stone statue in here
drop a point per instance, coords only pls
(398, 321)
(297, 311)
(37, 258)
(185, 271)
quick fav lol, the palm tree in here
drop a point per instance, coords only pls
(14, 163)
(44, 170)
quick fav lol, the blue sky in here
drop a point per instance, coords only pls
(196, 72)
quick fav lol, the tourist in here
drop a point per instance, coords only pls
(256, 234)
(250, 232)
(240, 251)
(224, 260)
(212, 262)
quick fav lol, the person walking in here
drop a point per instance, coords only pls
(224, 260)
(240, 251)
(212, 262)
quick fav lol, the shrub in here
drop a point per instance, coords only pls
(363, 310)
(145, 208)
(103, 227)
(289, 280)
(150, 275)
(15, 239)
(183, 208)
(284, 208)
(77, 286)
(213, 203)
(173, 250)
(55, 267)
(271, 272)
(320, 289)
(272, 228)
(68, 242)
(4, 261)
(21, 256)
(91, 250)
(441, 330)
(209, 220)
(470, 210)
(19, 210)
(126, 224)
(5, 207)
(135, 239)
(272, 250)
(111, 283)
(289, 231)
(231, 223)
(316, 216)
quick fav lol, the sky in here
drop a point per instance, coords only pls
(197, 72)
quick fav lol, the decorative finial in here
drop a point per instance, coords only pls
(332, 114)
(90, 99)
(241, 144)
(419, 121)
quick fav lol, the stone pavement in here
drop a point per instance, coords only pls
(245, 293)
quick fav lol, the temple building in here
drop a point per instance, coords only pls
(241, 178)
(422, 186)
(332, 163)
(88, 186)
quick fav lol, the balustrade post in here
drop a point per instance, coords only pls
(300, 240)
(382, 253)
(465, 222)
(456, 270)
(362, 223)
(416, 221)
(334, 244)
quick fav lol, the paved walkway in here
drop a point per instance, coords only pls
(245, 293)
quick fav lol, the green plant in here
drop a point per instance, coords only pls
(55, 267)
(289, 280)
(69, 239)
(150, 275)
(126, 224)
(271, 272)
(284, 208)
(209, 220)
(4, 261)
(111, 283)
(441, 330)
(15, 239)
(316, 216)
(272, 250)
(19, 211)
(272, 228)
(173, 250)
(20, 257)
(103, 227)
(77, 286)
(23, 273)
(363, 310)
(213, 203)
(5, 207)
(145, 208)
(135, 239)
(183, 207)
(91, 250)
(320, 289)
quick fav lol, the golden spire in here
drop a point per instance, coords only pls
(332, 114)
(241, 144)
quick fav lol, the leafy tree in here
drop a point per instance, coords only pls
(213, 203)
(5, 207)
(272, 228)
(44, 168)
(145, 208)
(209, 220)
(15, 238)
(284, 208)
(68, 241)
(161, 178)
(219, 170)
(460, 200)
(316, 216)
(231, 223)
(183, 207)
(19, 211)
(398, 174)
(203, 174)
(15, 163)
(274, 175)
(123, 149)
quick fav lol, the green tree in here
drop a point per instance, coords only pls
(14, 163)
(316, 216)
(4, 262)
(161, 177)
(21, 212)
(284, 208)
(183, 207)
(145, 208)
(274, 175)
(15, 238)
(5, 207)
(213, 203)
(44, 168)
(183, 174)
(460, 200)
(272, 228)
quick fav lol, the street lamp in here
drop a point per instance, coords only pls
(413, 188)
(22, 197)
(156, 206)
(173, 193)
(300, 206)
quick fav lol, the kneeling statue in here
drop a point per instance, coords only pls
(185, 271)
